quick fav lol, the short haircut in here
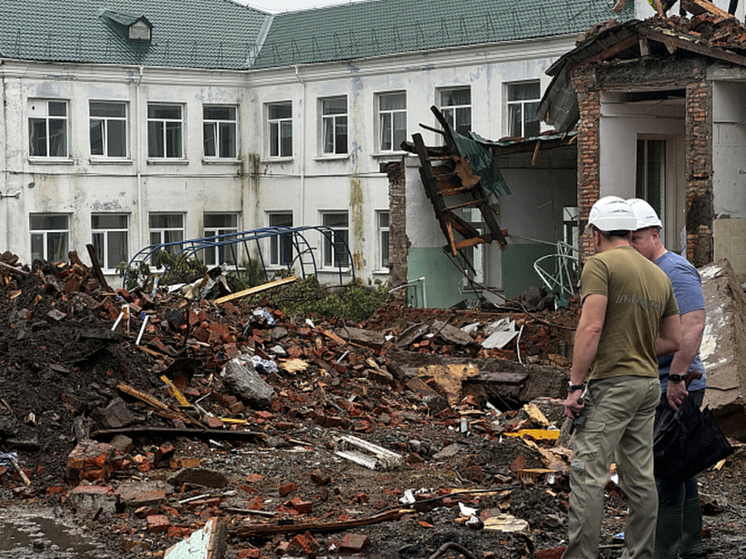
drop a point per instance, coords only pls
(609, 234)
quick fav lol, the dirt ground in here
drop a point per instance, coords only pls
(44, 364)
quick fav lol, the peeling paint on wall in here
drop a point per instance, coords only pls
(356, 222)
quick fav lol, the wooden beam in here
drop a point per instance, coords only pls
(692, 46)
(698, 7)
(644, 46)
(257, 289)
(616, 49)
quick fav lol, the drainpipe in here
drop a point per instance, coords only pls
(138, 134)
(412, 282)
(302, 153)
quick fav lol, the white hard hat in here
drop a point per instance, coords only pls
(612, 213)
(646, 216)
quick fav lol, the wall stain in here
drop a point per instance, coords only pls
(356, 222)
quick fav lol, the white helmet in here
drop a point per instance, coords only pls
(646, 216)
(612, 213)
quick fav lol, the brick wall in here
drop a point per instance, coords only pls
(398, 240)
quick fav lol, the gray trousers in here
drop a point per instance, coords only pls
(619, 425)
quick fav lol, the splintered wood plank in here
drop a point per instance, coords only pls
(469, 243)
(698, 7)
(257, 289)
(451, 241)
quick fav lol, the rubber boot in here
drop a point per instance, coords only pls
(692, 546)
(668, 532)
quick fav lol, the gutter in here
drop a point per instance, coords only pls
(302, 215)
(141, 217)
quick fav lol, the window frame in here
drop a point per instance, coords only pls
(102, 247)
(164, 132)
(522, 103)
(47, 118)
(162, 230)
(278, 122)
(105, 136)
(327, 244)
(383, 256)
(218, 124)
(334, 119)
(275, 261)
(391, 113)
(451, 112)
(44, 232)
(218, 253)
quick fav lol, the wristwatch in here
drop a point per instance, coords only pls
(573, 387)
(676, 378)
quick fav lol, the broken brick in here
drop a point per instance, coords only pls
(354, 543)
(287, 489)
(157, 523)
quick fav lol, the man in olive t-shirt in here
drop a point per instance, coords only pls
(629, 316)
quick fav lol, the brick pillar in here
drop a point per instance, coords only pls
(699, 202)
(398, 240)
(589, 184)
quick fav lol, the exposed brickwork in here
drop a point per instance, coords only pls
(589, 184)
(398, 240)
(699, 208)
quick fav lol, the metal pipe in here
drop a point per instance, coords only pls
(302, 216)
(138, 154)
(411, 282)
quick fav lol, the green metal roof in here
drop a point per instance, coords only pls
(186, 33)
(378, 27)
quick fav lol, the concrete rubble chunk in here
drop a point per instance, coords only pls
(240, 376)
(91, 498)
(366, 454)
(450, 334)
(136, 494)
(369, 338)
(114, 416)
(199, 476)
(207, 543)
(501, 333)
(722, 347)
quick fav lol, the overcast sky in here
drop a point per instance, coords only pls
(284, 5)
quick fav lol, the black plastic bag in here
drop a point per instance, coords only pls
(686, 442)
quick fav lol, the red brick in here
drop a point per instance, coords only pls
(253, 553)
(180, 532)
(354, 543)
(213, 422)
(157, 523)
(287, 489)
(552, 553)
(303, 507)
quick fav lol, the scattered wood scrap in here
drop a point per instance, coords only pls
(266, 529)
(257, 289)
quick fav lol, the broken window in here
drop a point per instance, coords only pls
(219, 129)
(334, 125)
(523, 101)
(50, 237)
(165, 129)
(110, 237)
(47, 125)
(455, 104)
(335, 242)
(220, 224)
(650, 183)
(280, 246)
(383, 240)
(108, 129)
(280, 120)
(166, 228)
(392, 120)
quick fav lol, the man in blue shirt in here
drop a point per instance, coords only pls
(679, 525)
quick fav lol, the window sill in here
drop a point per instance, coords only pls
(106, 161)
(221, 161)
(51, 160)
(334, 270)
(165, 161)
(277, 160)
(390, 154)
(332, 157)
(382, 272)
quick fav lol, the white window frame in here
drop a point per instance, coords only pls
(220, 127)
(521, 106)
(328, 241)
(106, 123)
(46, 234)
(383, 240)
(167, 230)
(276, 242)
(163, 133)
(452, 112)
(387, 134)
(334, 120)
(103, 238)
(275, 127)
(217, 255)
(39, 110)
(476, 254)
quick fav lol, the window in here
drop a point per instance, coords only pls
(383, 239)
(108, 129)
(392, 111)
(335, 242)
(280, 246)
(650, 183)
(523, 100)
(334, 124)
(280, 119)
(47, 126)
(167, 228)
(165, 129)
(455, 104)
(50, 237)
(110, 237)
(220, 224)
(570, 216)
(220, 131)
(474, 254)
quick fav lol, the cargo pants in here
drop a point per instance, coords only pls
(619, 426)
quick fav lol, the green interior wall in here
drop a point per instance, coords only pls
(518, 267)
(442, 278)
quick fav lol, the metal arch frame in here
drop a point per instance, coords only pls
(192, 247)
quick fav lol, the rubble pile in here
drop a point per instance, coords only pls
(162, 419)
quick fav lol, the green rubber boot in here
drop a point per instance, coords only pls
(668, 532)
(692, 546)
